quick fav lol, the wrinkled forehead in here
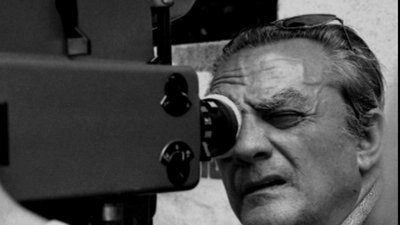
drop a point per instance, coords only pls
(295, 60)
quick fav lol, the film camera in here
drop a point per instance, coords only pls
(90, 119)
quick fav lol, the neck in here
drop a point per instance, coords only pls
(371, 189)
(11, 213)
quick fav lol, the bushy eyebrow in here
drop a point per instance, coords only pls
(285, 98)
(233, 79)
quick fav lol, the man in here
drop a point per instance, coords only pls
(310, 93)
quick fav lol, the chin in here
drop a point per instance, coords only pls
(283, 213)
(261, 217)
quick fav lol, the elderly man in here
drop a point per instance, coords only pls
(310, 93)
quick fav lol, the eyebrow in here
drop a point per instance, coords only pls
(286, 97)
(227, 79)
(227, 75)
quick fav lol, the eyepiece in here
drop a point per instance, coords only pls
(220, 126)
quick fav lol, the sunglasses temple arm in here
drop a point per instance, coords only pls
(347, 35)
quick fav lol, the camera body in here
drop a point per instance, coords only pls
(84, 111)
(97, 122)
(94, 127)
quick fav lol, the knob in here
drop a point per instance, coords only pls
(176, 156)
(175, 101)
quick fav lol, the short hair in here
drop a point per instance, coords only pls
(354, 69)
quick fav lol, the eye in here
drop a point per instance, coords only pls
(284, 119)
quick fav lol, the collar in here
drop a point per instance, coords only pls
(364, 208)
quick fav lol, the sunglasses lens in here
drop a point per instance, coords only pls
(310, 21)
(305, 21)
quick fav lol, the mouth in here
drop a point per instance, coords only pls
(269, 182)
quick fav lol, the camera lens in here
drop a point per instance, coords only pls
(220, 126)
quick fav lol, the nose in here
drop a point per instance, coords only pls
(252, 143)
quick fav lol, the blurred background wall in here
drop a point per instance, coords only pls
(376, 22)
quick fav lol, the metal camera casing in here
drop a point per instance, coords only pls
(83, 128)
(94, 124)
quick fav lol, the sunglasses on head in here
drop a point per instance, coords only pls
(310, 21)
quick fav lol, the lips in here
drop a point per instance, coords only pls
(268, 182)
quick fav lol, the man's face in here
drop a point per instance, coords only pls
(294, 161)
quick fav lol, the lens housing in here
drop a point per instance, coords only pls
(220, 126)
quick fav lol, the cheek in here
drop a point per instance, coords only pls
(327, 143)
(328, 164)
(331, 150)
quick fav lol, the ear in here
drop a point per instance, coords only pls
(369, 146)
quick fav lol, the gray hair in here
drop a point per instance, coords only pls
(354, 69)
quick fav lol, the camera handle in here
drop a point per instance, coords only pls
(162, 31)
